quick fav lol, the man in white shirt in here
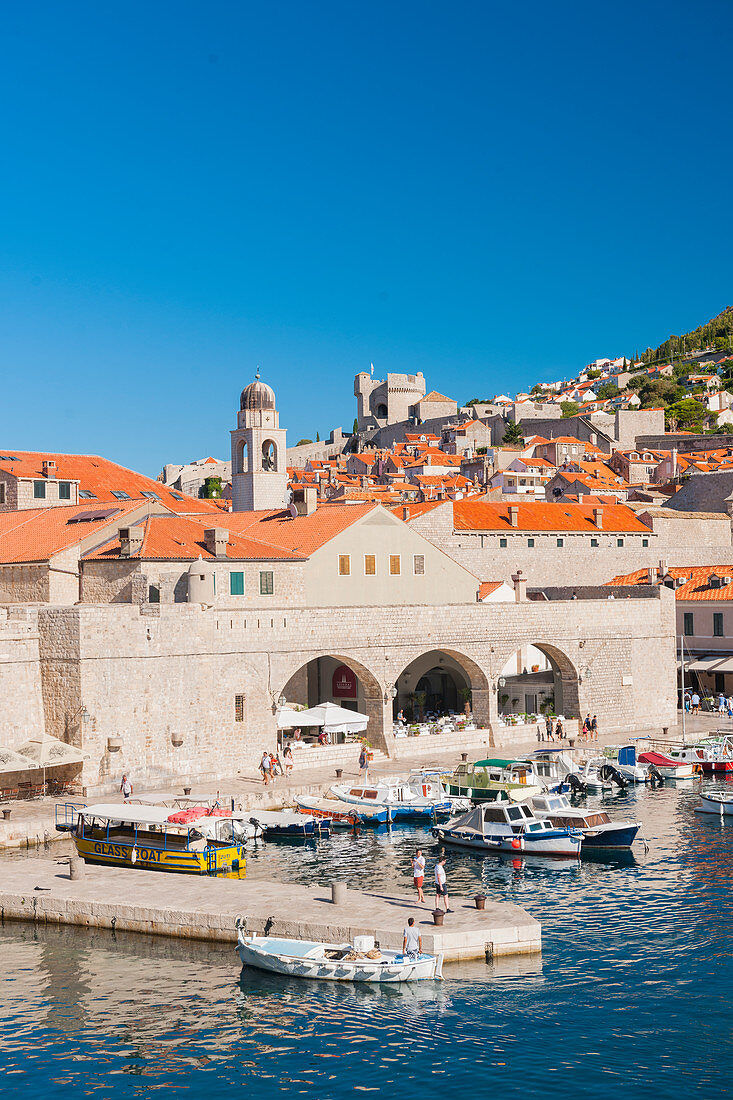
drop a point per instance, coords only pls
(126, 788)
(411, 940)
(418, 874)
(441, 885)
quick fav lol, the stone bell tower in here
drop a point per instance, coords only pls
(259, 469)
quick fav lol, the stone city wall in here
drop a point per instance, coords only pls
(21, 713)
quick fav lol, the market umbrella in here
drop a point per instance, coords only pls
(334, 719)
(287, 718)
(45, 751)
(13, 762)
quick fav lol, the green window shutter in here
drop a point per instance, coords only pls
(236, 584)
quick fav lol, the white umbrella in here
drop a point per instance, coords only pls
(13, 762)
(287, 718)
(45, 751)
(334, 719)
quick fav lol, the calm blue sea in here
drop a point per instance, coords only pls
(632, 995)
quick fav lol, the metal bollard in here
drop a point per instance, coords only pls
(338, 892)
(77, 868)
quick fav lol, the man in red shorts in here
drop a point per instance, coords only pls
(418, 873)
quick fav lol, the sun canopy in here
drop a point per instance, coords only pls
(287, 718)
(129, 812)
(713, 662)
(13, 762)
(334, 719)
(48, 752)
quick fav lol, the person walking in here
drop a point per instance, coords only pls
(288, 758)
(695, 702)
(559, 731)
(594, 728)
(266, 767)
(364, 764)
(548, 727)
(411, 940)
(126, 788)
(687, 701)
(418, 873)
(441, 885)
(585, 732)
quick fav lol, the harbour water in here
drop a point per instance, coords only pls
(631, 994)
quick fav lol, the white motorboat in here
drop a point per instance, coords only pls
(597, 773)
(600, 832)
(625, 759)
(504, 827)
(361, 961)
(406, 801)
(718, 803)
(670, 768)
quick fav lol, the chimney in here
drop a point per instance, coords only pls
(580, 498)
(662, 568)
(131, 540)
(305, 499)
(598, 518)
(652, 574)
(513, 515)
(49, 467)
(405, 513)
(215, 541)
(520, 586)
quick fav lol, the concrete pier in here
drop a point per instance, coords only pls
(42, 891)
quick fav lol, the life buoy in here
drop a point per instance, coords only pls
(516, 842)
(133, 855)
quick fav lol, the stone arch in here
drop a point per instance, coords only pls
(565, 678)
(382, 411)
(269, 456)
(242, 457)
(446, 664)
(299, 683)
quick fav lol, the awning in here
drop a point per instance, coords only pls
(711, 663)
(287, 718)
(334, 719)
(13, 762)
(48, 752)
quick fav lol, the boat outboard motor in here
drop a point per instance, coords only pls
(575, 783)
(655, 776)
(610, 774)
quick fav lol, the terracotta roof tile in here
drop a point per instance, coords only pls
(480, 515)
(697, 587)
(36, 534)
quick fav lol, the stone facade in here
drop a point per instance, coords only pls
(387, 401)
(158, 685)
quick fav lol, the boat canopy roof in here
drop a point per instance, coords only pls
(499, 763)
(126, 811)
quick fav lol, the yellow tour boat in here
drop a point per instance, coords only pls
(144, 837)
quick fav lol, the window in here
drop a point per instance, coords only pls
(561, 542)
(64, 490)
(344, 565)
(418, 564)
(153, 594)
(151, 496)
(2, 492)
(239, 708)
(370, 565)
(120, 494)
(176, 496)
(267, 586)
(394, 565)
(594, 542)
(530, 543)
(619, 543)
(645, 542)
(39, 490)
(717, 624)
(689, 624)
(720, 681)
(236, 584)
(87, 494)
(502, 544)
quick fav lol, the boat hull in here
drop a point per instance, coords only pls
(225, 862)
(557, 845)
(394, 968)
(613, 838)
(719, 807)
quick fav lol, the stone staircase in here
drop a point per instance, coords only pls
(332, 756)
(476, 743)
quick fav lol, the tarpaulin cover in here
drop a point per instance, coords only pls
(658, 759)
(185, 817)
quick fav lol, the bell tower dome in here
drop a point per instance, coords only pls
(259, 460)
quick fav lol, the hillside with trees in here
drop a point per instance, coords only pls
(717, 333)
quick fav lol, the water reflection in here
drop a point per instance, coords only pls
(632, 990)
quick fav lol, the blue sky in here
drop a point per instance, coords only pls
(493, 194)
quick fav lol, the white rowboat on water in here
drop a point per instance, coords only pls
(336, 962)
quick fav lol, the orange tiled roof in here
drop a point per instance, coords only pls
(99, 476)
(481, 515)
(697, 586)
(36, 534)
(416, 508)
(487, 587)
(181, 538)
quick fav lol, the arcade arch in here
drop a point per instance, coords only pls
(538, 679)
(440, 681)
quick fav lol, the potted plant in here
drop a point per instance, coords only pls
(465, 694)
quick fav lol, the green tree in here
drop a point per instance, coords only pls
(301, 442)
(355, 429)
(685, 415)
(212, 488)
(593, 374)
(512, 434)
(606, 390)
(318, 438)
(569, 408)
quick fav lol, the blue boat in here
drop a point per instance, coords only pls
(288, 825)
(600, 832)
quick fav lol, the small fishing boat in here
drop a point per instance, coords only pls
(289, 825)
(335, 811)
(600, 832)
(597, 773)
(718, 803)
(361, 961)
(713, 755)
(494, 780)
(145, 837)
(503, 827)
(404, 802)
(669, 767)
(624, 758)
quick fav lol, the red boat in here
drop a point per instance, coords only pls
(668, 767)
